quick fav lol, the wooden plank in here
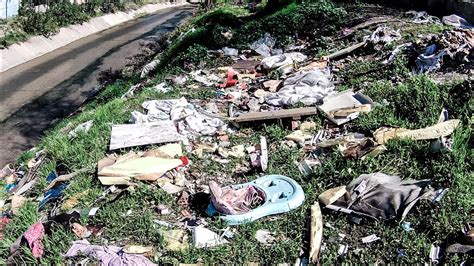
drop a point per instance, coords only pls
(284, 113)
(316, 233)
(345, 51)
(130, 135)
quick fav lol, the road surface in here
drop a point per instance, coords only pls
(38, 93)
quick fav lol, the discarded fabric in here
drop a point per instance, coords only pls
(307, 87)
(383, 196)
(107, 255)
(229, 201)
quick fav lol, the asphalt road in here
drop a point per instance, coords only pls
(37, 94)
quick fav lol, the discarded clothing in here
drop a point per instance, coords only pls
(307, 87)
(188, 119)
(264, 45)
(230, 201)
(107, 255)
(34, 237)
(423, 17)
(284, 62)
(382, 196)
(457, 21)
(114, 170)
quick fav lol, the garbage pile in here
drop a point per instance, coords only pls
(159, 143)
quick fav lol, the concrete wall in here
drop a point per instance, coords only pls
(9, 8)
(37, 46)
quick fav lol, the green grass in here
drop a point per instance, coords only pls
(414, 102)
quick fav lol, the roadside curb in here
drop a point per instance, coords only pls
(37, 46)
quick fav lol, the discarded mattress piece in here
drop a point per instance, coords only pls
(107, 255)
(184, 115)
(130, 135)
(279, 194)
(119, 170)
(345, 106)
(382, 196)
(307, 87)
(443, 129)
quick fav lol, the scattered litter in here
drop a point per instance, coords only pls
(175, 239)
(283, 63)
(369, 239)
(307, 87)
(267, 195)
(93, 211)
(230, 51)
(429, 60)
(132, 249)
(162, 87)
(422, 17)
(187, 118)
(435, 254)
(264, 45)
(443, 129)
(16, 203)
(272, 85)
(34, 237)
(385, 35)
(148, 68)
(107, 255)
(382, 196)
(265, 237)
(398, 49)
(406, 226)
(438, 195)
(331, 195)
(316, 232)
(118, 170)
(456, 21)
(131, 91)
(231, 79)
(79, 230)
(345, 106)
(130, 135)
(205, 238)
(206, 80)
(84, 127)
(342, 251)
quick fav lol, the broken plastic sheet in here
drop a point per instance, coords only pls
(385, 35)
(429, 60)
(457, 21)
(107, 255)
(284, 62)
(382, 196)
(307, 87)
(264, 45)
(188, 119)
(230, 201)
(422, 17)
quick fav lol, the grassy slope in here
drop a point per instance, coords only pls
(414, 103)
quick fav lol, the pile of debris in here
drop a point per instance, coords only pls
(262, 84)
